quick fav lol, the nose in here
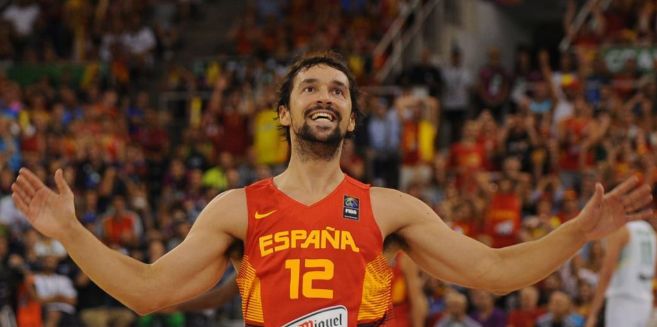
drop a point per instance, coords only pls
(323, 96)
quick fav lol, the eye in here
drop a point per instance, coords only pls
(338, 92)
(309, 89)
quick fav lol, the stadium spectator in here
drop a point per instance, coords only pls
(455, 312)
(383, 128)
(419, 116)
(493, 86)
(503, 215)
(97, 308)
(560, 312)
(57, 295)
(455, 98)
(121, 226)
(424, 74)
(485, 312)
(11, 271)
(529, 311)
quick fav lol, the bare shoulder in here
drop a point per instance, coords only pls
(394, 210)
(227, 213)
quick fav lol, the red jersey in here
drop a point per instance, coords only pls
(503, 219)
(116, 228)
(313, 265)
(571, 147)
(471, 156)
(525, 318)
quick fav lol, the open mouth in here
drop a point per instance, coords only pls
(322, 115)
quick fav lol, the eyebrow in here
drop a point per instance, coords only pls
(314, 80)
(339, 83)
(308, 81)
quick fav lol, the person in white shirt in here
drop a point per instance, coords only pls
(626, 277)
(456, 98)
(55, 292)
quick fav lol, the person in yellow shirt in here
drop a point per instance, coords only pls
(269, 146)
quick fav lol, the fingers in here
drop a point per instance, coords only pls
(32, 179)
(625, 186)
(597, 197)
(20, 191)
(62, 186)
(20, 203)
(643, 214)
(25, 186)
(599, 192)
(639, 198)
(647, 202)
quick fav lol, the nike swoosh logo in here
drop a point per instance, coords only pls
(263, 215)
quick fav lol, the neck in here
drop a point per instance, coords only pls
(310, 175)
(308, 151)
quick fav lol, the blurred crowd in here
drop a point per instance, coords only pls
(269, 33)
(285, 28)
(614, 22)
(44, 31)
(81, 43)
(503, 154)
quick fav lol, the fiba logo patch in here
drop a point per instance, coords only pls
(328, 317)
(351, 207)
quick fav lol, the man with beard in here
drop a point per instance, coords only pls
(313, 237)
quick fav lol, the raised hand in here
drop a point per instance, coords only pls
(51, 213)
(604, 213)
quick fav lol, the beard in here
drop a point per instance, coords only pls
(314, 147)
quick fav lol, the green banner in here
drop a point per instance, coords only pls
(616, 57)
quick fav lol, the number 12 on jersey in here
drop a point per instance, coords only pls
(306, 279)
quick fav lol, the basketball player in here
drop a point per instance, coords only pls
(626, 277)
(313, 237)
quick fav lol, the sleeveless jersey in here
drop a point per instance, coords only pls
(313, 265)
(635, 270)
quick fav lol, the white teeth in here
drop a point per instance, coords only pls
(319, 115)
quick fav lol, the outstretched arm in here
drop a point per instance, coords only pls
(188, 270)
(456, 258)
(213, 299)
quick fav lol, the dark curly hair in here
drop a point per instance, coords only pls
(311, 59)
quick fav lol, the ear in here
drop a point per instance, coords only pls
(284, 116)
(352, 123)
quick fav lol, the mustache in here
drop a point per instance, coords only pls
(326, 107)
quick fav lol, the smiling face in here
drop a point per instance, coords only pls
(320, 109)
